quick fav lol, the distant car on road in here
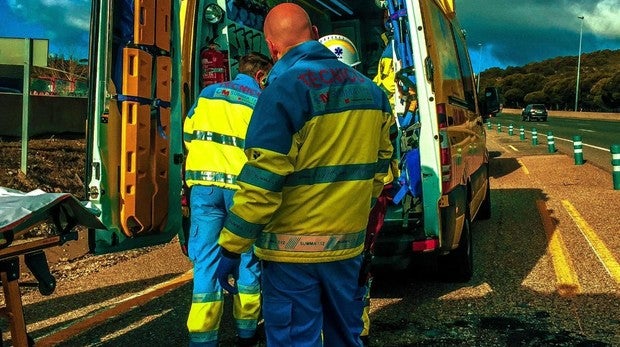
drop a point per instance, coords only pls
(534, 111)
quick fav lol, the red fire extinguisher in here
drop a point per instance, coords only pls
(214, 65)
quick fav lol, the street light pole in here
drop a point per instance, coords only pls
(479, 66)
(578, 64)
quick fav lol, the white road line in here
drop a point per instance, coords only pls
(585, 144)
(513, 148)
(587, 130)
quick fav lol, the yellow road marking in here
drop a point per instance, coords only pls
(601, 251)
(523, 167)
(122, 306)
(567, 283)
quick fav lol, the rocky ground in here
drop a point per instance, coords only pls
(55, 164)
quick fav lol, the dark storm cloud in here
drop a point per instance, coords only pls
(66, 22)
(518, 32)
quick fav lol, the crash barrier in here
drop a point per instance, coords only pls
(550, 142)
(534, 137)
(20, 213)
(510, 129)
(578, 150)
(49, 115)
(615, 164)
(522, 133)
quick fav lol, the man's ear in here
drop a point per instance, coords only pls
(315, 32)
(273, 50)
(259, 76)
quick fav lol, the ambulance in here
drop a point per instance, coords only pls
(150, 59)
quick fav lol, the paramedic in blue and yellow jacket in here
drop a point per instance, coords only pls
(318, 148)
(214, 133)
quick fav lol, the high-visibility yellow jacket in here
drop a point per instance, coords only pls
(318, 149)
(214, 132)
(386, 79)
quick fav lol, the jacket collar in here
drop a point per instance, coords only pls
(309, 50)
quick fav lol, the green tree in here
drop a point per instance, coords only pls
(611, 92)
(597, 94)
(62, 72)
(537, 97)
(556, 78)
(514, 97)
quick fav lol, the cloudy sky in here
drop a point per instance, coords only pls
(66, 23)
(500, 33)
(517, 32)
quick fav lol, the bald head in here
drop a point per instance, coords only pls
(287, 25)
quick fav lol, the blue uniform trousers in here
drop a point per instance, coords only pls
(209, 207)
(313, 304)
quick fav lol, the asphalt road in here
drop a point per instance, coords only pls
(597, 135)
(546, 273)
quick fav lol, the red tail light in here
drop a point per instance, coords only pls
(425, 245)
(444, 147)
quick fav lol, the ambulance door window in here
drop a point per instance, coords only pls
(466, 70)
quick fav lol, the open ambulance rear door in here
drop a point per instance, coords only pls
(134, 128)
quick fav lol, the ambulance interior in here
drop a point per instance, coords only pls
(235, 27)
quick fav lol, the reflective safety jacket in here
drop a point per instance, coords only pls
(214, 132)
(385, 77)
(318, 149)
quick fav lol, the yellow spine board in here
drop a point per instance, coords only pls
(137, 72)
(162, 24)
(145, 147)
(161, 145)
(136, 185)
(144, 22)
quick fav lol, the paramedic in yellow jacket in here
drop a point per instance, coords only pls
(214, 133)
(318, 148)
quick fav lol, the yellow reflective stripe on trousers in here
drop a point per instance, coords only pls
(310, 243)
(246, 310)
(203, 321)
